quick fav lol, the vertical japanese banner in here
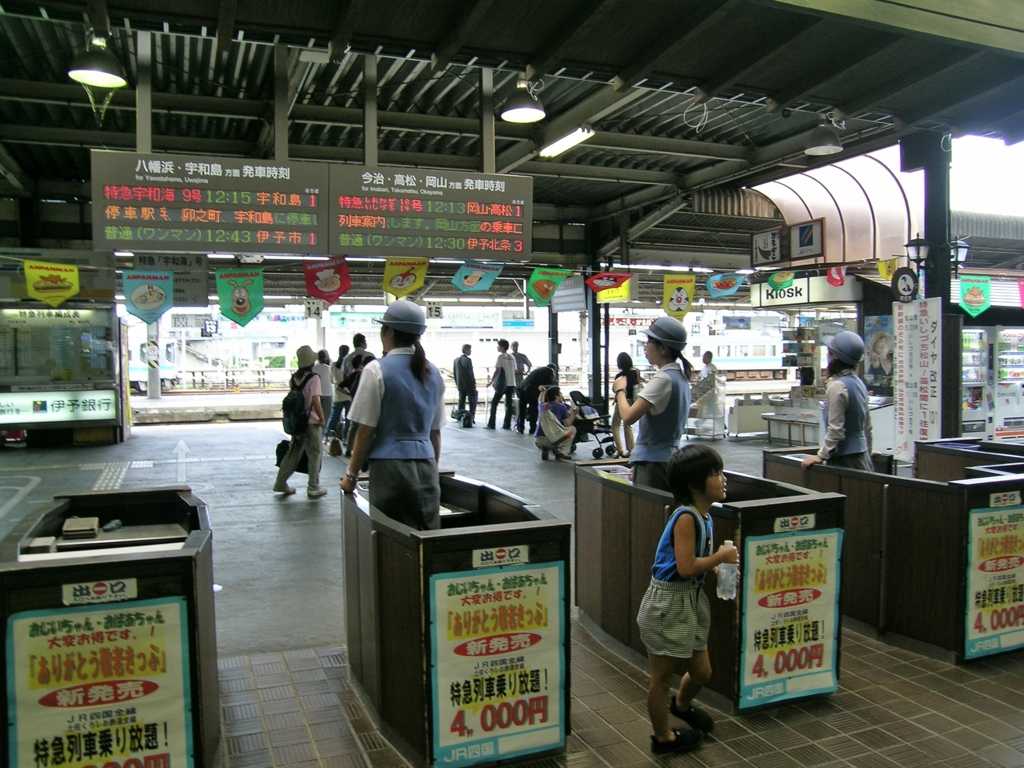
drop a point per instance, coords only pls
(240, 292)
(97, 685)
(51, 284)
(677, 295)
(327, 280)
(403, 276)
(791, 616)
(995, 580)
(147, 293)
(498, 663)
(917, 363)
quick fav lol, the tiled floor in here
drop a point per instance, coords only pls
(893, 708)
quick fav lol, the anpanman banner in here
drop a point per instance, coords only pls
(403, 276)
(51, 284)
(476, 276)
(677, 295)
(240, 292)
(327, 280)
(544, 282)
(603, 281)
(887, 268)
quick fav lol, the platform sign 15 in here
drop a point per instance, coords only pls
(995, 581)
(791, 616)
(497, 663)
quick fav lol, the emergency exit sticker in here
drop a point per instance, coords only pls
(1005, 499)
(794, 523)
(100, 591)
(488, 558)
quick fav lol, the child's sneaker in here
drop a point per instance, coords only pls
(684, 741)
(695, 717)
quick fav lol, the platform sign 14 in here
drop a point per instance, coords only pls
(995, 581)
(791, 616)
(498, 663)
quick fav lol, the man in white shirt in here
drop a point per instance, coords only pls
(503, 382)
(709, 367)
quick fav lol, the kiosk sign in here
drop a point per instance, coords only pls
(791, 602)
(995, 581)
(497, 663)
(100, 685)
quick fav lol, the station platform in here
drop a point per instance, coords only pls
(287, 699)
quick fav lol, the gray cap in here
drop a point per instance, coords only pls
(405, 316)
(847, 346)
(669, 332)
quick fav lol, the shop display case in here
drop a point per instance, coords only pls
(976, 394)
(707, 414)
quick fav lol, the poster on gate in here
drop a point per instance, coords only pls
(100, 685)
(791, 606)
(995, 579)
(497, 663)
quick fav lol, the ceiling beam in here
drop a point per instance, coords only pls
(16, 177)
(649, 221)
(348, 14)
(992, 81)
(470, 14)
(647, 196)
(98, 17)
(662, 146)
(552, 50)
(73, 137)
(227, 11)
(456, 126)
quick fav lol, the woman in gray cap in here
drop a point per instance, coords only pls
(310, 441)
(663, 405)
(399, 407)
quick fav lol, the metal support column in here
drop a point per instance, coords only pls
(487, 163)
(555, 346)
(144, 143)
(370, 110)
(280, 102)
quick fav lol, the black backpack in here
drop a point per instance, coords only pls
(294, 415)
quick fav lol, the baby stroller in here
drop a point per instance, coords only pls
(590, 422)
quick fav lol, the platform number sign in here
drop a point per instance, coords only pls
(435, 310)
(315, 308)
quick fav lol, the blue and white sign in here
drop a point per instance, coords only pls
(807, 239)
(148, 293)
(476, 276)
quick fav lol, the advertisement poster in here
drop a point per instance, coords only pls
(403, 276)
(975, 293)
(807, 239)
(791, 604)
(327, 280)
(42, 407)
(766, 248)
(677, 295)
(916, 365)
(878, 353)
(543, 282)
(240, 292)
(995, 581)
(476, 276)
(50, 283)
(100, 685)
(147, 293)
(497, 663)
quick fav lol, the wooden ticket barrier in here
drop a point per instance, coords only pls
(460, 636)
(618, 526)
(110, 631)
(939, 563)
(949, 458)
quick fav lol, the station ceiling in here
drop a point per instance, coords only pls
(691, 100)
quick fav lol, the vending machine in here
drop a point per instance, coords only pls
(976, 389)
(1009, 370)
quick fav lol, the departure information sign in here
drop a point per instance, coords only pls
(407, 212)
(144, 202)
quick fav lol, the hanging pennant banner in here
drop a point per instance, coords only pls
(975, 293)
(720, 286)
(476, 276)
(602, 281)
(780, 280)
(147, 293)
(677, 295)
(624, 292)
(1020, 289)
(402, 276)
(543, 283)
(887, 268)
(240, 292)
(327, 280)
(836, 276)
(49, 283)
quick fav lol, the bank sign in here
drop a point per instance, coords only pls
(806, 290)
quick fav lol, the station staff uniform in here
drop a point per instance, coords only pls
(660, 428)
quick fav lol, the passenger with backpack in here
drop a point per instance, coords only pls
(303, 419)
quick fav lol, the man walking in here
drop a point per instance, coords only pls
(503, 382)
(465, 381)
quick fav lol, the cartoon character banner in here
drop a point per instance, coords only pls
(327, 280)
(602, 281)
(677, 295)
(241, 293)
(887, 268)
(780, 280)
(720, 286)
(403, 276)
(543, 283)
(975, 293)
(836, 276)
(49, 283)
(476, 276)
(148, 293)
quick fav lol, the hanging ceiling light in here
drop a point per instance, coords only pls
(823, 140)
(524, 105)
(97, 67)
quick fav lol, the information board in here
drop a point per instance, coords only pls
(995, 581)
(406, 212)
(39, 347)
(915, 374)
(145, 202)
(191, 275)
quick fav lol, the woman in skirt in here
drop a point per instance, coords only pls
(674, 616)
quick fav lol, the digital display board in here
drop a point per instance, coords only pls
(415, 212)
(144, 202)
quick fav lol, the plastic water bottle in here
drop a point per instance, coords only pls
(727, 579)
